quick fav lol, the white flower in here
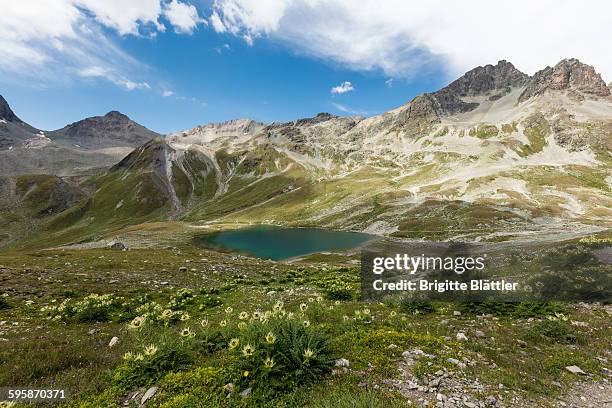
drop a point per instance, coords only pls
(186, 332)
(269, 362)
(270, 338)
(150, 350)
(137, 322)
(233, 343)
(248, 350)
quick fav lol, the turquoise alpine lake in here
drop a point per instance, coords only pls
(276, 243)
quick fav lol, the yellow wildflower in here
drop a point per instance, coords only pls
(248, 350)
(270, 338)
(233, 343)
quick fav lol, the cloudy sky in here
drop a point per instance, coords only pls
(173, 64)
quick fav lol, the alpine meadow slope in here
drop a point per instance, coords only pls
(492, 156)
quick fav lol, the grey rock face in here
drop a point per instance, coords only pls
(13, 131)
(496, 80)
(481, 80)
(5, 111)
(569, 74)
(111, 130)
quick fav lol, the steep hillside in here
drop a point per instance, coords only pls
(153, 182)
(477, 156)
(27, 201)
(492, 156)
(13, 131)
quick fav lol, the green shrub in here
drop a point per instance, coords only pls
(340, 293)
(182, 298)
(582, 283)
(340, 284)
(282, 353)
(210, 341)
(513, 309)
(4, 303)
(555, 331)
(92, 308)
(145, 367)
(208, 301)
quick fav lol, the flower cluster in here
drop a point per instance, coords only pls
(154, 313)
(181, 299)
(91, 308)
(340, 286)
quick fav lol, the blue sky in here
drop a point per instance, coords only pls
(172, 65)
(211, 82)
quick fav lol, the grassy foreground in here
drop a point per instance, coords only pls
(196, 328)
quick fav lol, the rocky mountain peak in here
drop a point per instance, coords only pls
(5, 111)
(111, 130)
(492, 81)
(116, 115)
(568, 74)
(481, 80)
(321, 117)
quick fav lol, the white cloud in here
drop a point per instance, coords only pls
(114, 77)
(167, 93)
(45, 42)
(216, 22)
(344, 87)
(400, 37)
(183, 17)
(224, 47)
(347, 109)
(248, 38)
(124, 16)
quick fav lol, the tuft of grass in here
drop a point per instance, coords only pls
(554, 331)
(512, 309)
(417, 306)
(143, 368)
(4, 302)
(357, 398)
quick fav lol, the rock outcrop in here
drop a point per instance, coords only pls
(6, 112)
(493, 81)
(569, 74)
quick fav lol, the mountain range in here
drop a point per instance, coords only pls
(491, 156)
(90, 143)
